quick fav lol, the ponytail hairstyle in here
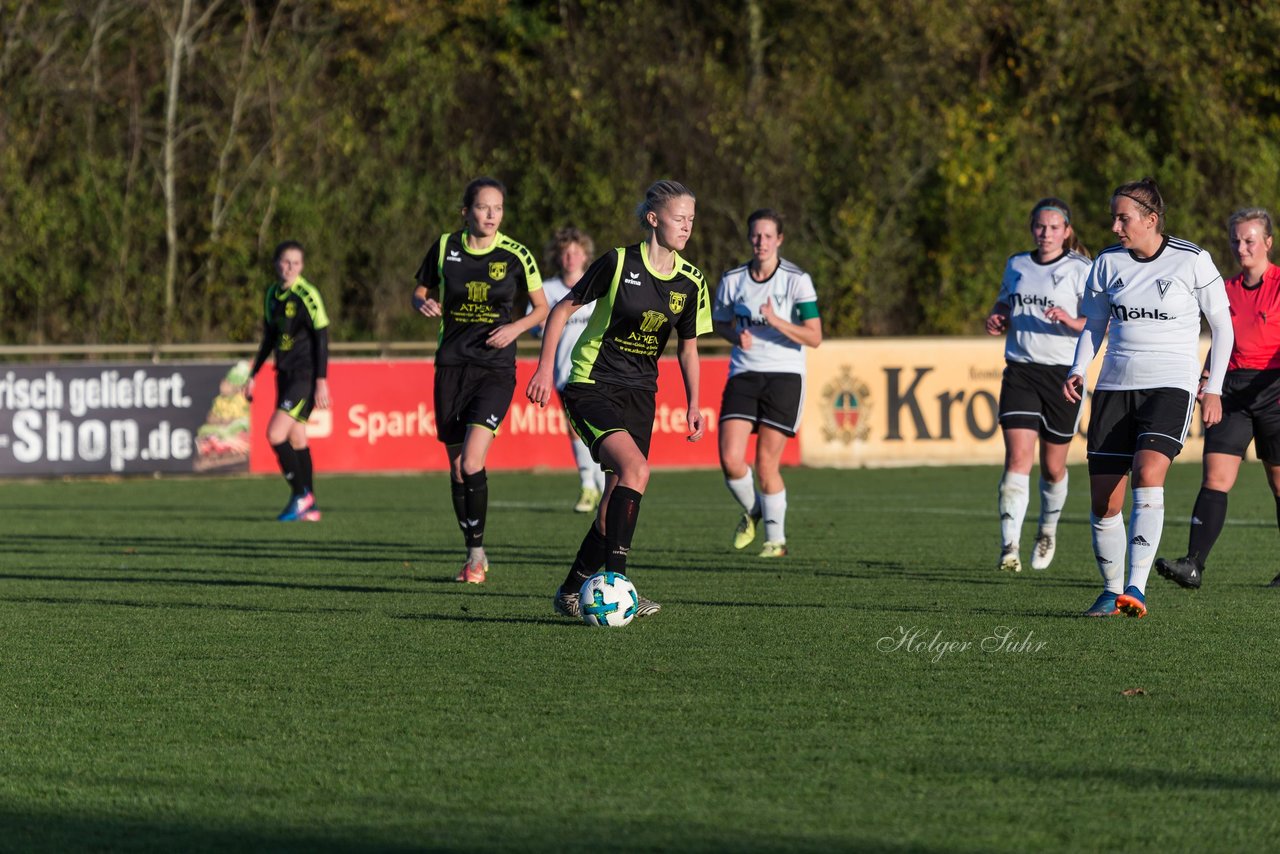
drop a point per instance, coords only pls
(1147, 196)
(1251, 215)
(657, 197)
(474, 188)
(1057, 205)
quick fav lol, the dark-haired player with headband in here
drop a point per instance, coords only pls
(1250, 395)
(643, 293)
(471, 279)
(1038, 311)
(768, 309)
(296, 327)
(1146, 294)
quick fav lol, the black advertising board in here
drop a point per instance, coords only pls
(122, 418)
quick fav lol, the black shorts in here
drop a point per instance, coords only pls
(296, 395)
(775, 399)
(598, 409)
(1250, 411)
(469, 395)
(1122, 423)
(1031, 399)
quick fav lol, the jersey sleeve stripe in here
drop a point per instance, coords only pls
(532, 278)
(314, 304)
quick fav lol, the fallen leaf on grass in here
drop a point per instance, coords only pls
(1134, 692)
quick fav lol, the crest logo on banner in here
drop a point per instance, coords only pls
(846, 405)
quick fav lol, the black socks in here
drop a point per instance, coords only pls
(591, 556)
(620, 525)
(304, 468)
(290, 465)
(607, 550)
(475, 490)
(1207, 519)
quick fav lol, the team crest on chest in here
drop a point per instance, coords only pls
(1163, 285)
(290, 309)
(676, 301)
(1058, 278)
(497, 270)
(651, 321)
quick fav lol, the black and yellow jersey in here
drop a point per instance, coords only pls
(638, 308)
(293, 320)
(478, 288)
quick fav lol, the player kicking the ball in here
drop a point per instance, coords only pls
(642, 292)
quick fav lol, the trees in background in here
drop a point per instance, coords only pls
(152, 152)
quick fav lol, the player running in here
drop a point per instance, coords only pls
(1249, 396)
(296, 328)
(1038, 310)
(470, 280)
(768, 309)
(1149, 291)
(644, 291)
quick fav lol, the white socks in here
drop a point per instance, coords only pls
(744, 490)
(1109, 549)
(1052, 498)
(1014, 489)
(1146, 523)
(589, 471)
(774, 509)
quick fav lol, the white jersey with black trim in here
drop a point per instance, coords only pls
(739, 299)
(556, 290)
(1031, 288)
(1150, 309)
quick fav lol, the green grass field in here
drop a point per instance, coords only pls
(179, 672)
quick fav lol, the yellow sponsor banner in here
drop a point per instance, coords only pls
(917, 401)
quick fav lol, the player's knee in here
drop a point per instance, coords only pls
(733, 469)
(1053, 472)
(768, 465)
(635, 475)
(1105, 508)
(1219, 483)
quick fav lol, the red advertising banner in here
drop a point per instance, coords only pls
(383, 419)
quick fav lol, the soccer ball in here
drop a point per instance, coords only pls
(608, 599)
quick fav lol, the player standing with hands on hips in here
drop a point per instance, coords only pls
(1038, 308)
(295, 326)
(768, 310)
(470, 280)
(1250, 396)
(642, 292)
(1150, 291)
